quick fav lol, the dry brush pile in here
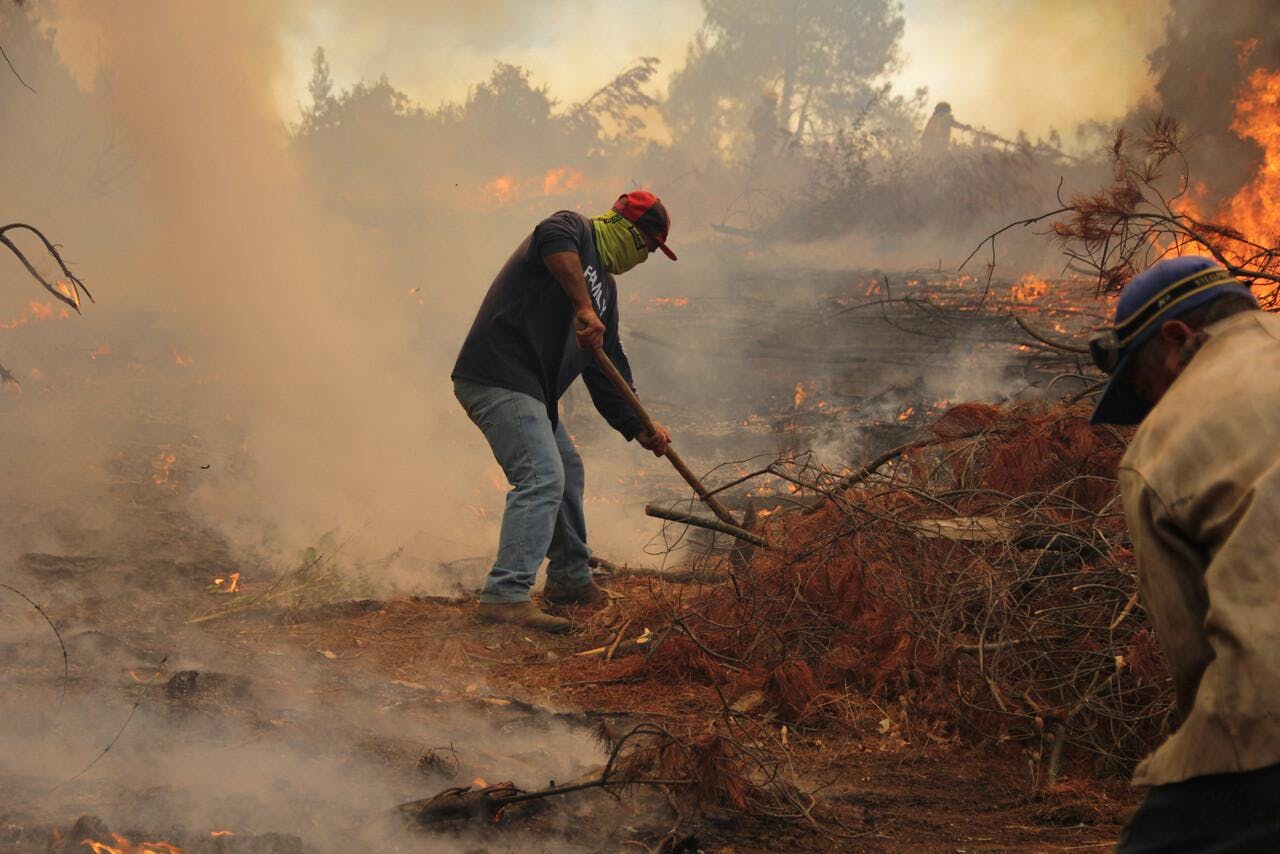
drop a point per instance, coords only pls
(979, 577)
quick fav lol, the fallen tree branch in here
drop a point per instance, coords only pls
(1044, 339)
(702, 522)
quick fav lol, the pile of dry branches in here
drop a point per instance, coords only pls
(978, 576)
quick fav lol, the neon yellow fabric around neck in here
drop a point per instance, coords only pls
(618, 243)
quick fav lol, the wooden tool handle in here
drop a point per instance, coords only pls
(624, 388)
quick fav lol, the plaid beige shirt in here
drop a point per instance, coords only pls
(1201, 491)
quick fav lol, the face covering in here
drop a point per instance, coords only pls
(618, 243)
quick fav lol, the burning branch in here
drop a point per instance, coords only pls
(1149, 212)
(66, 290)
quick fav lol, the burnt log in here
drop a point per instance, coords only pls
(461, 803)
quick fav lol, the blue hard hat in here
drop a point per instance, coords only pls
(1163, 291)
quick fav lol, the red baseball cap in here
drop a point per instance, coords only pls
(646, 212)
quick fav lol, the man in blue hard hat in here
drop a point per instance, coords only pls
(1196, 365)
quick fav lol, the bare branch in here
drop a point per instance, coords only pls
(15, 71)
(66, 291)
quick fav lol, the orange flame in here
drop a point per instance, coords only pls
(1028, 289)
(800, 394)
(179, 359)
(1255, 209)
(232, 582)
(36, 311)
(501, 189)
(906, 413)
(68, 290)
(124, 846)
(561, 179)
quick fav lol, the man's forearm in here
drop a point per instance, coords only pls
(567, 268)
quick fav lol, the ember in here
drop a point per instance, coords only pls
(124, 846)
(163, 468)
(231, 583)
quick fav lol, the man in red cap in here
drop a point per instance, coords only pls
(1193, 362)
(551, 305)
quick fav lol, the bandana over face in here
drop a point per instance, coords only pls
(618, 242)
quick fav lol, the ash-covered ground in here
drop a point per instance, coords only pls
(197, 707)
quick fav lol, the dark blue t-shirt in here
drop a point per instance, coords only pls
(523, 336)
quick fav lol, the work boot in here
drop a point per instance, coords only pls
(589, 594)
(523, 614)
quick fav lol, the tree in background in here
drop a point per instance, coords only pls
(812, 67)
(388, 161)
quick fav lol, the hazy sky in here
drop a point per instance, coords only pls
(1006, 64)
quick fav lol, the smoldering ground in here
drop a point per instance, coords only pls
(176, 734)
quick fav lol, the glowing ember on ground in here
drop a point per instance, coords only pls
(906, 413)
(668, 302)
(232, 583)
(36, 311)
(163, 465)
(1028, 289)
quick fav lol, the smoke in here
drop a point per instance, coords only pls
(1015, 66)
(282, 322)
(311, 384)
(436, 51)
(235, 734)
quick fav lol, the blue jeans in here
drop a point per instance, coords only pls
(544, 515)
